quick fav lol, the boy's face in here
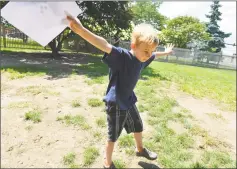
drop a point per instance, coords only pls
(143, 51)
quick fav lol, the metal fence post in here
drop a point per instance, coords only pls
(220, 56)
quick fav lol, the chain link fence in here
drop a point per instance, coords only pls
(195, 57)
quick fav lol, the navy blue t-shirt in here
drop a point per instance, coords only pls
(124, 73)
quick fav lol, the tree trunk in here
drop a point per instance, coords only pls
(219, 60)
(54, 48)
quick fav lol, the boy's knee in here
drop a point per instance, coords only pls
(111, 141)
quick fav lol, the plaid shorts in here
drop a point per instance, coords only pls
(118, 119)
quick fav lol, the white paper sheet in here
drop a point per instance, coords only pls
(41, 21)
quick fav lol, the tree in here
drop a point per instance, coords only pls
(147, 11)
(183, 30)
(3, 3)
(104, 17)
(3, 21)
(101, 17)
(217, 36)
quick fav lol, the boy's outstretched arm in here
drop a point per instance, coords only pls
(168, 50)
(99, 42)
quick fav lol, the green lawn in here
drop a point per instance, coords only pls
(216, 84)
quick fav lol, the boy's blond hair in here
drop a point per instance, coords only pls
(144, 33)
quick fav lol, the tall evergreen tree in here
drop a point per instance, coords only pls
(217, 36)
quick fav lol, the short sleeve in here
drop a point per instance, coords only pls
(145, 64)
(114, 59)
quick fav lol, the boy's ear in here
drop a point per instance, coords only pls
(132, 46)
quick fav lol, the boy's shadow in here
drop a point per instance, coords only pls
(147, 165)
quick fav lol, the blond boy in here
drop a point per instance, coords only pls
(125, 68)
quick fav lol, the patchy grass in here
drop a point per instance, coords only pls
(97, 135)
(96, 71)
(89, 156)
(119, 163)
(130, 151)
(35, 90)
(21, 72)
(216, 116)
(126, 141)
(101, 122)
(33, 115)
(76, 103)
(77, 120)
(94, 102)
(217, 159)
(69, 160)
(97, 80)
(20, 105)
(30, 50)
(196, 130)
(175, 150)
(143, 108)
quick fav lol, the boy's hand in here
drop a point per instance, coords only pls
(169, 48)
(73, 22)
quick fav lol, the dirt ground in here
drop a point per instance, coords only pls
(27, 144)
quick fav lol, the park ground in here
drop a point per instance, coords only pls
(52, 114)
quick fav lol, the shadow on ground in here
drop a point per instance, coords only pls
(62, 66)
(147, 165)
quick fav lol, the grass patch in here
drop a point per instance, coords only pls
(94, 102)
(76, 103)
(130, 151)
(196, 130)
(20, 105)
(74, 166)
(143, 108)
(89, 156)
(69, 160)
(21, 72)
(25, 50)
(77, 120)
(101, 122)
(95, 71)
(216, 116)
(35, 90)
(97, 135)
(217, 159)
(96, 80)
(33, 115)
(126, 141)
(119, 163)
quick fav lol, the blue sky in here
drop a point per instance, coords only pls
(199, 9)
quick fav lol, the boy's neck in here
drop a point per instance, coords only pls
(132, 52)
